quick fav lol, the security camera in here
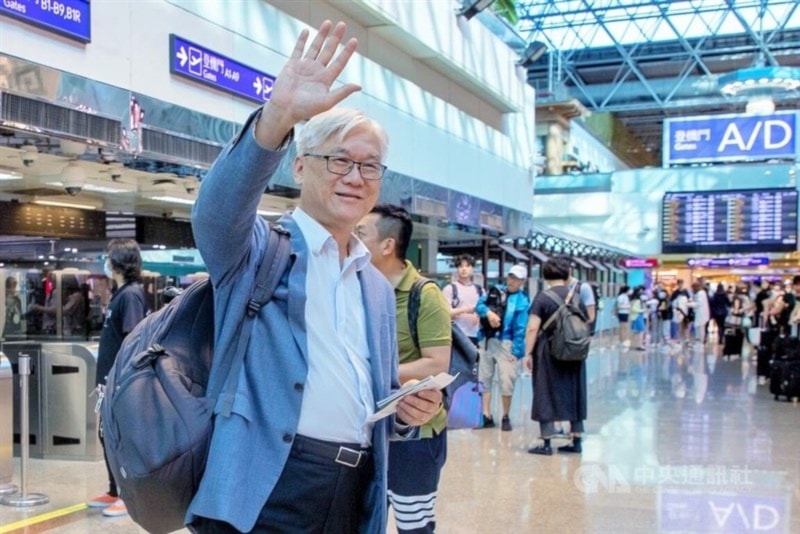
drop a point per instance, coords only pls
(74, 190)
(115, 169)
(29, 154)
(73, 177)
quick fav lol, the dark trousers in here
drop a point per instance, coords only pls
(414, 470)
(720, 320)
(313, 494)
(112, 485)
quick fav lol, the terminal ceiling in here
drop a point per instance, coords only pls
(646, 60)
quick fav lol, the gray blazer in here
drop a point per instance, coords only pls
(250, 448)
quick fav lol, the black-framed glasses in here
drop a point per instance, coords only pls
(342, 166)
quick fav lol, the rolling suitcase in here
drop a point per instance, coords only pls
(784, 379)
(734, 339)
(765, 352)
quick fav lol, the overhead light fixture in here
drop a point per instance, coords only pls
(760, 105)
(760, 80)
(172, 199)
(96, 188)
(60, 204)
(72, 149)
(470, 8)
(532, 52)
(760, 84)
(9, 174)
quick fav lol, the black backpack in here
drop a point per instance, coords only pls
(157, 416)
(496, 301)
(463, 353)
(455, 302)
(569, 340)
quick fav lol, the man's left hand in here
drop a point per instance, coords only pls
(419, 408)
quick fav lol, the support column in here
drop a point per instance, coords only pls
(422, 253)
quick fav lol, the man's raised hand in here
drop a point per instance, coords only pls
(303, 86)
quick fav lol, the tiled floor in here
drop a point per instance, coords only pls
(675, 442)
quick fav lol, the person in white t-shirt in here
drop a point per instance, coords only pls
(462, 294)
(623, 310)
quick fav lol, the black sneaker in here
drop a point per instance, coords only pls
(544, 450)
(505, 425)
(573, 447)
(488, 422)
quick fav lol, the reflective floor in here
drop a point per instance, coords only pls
(676, 441)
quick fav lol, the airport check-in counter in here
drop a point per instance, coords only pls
(62, 421)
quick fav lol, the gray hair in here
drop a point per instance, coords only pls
(336, 124)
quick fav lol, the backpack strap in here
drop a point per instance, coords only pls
(552, 295)
(268, 276)
(414, 301)
(454, 301)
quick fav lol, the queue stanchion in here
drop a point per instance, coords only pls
(6, 432)
(600, 325)
(23, 499)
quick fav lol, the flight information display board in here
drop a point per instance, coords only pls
(749, 220)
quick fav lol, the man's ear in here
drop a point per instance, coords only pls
(388, 245)
(297, 169)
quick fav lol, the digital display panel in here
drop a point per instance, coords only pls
(164, 232)
(744, 221)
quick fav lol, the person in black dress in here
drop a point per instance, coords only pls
(559, 388)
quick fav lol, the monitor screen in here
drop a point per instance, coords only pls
(743, 221)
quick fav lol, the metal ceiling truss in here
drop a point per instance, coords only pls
(632, 72)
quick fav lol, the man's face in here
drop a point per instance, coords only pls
(367, 232)
(465, 270)
(514, 284)
(339, 202)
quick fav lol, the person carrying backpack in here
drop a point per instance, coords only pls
(462, 294)
(559, 386)
(504, 314)
(415, 466)
(293, 449)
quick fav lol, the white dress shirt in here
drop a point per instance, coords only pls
(338, 397)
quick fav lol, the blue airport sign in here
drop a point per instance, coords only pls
(704, 511)
(69, 18)
(731, 138)
(744, 261)
(205, 66)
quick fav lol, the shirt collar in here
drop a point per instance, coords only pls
(317, 238)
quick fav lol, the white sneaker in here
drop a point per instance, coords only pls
(762, 380)
(118, 509)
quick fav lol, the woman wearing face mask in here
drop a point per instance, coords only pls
(126, 308)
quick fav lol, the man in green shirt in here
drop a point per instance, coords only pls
(414, 465)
